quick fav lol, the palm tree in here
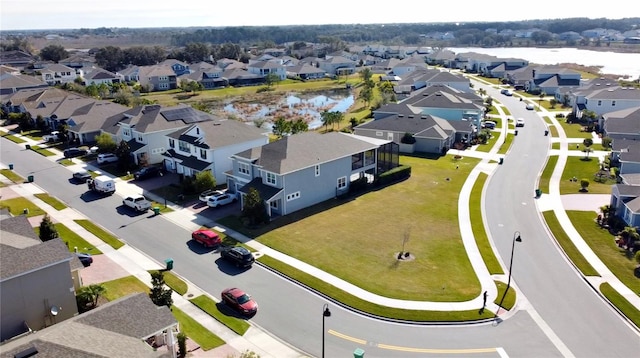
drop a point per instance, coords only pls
(91, 294)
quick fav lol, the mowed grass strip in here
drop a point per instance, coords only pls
(99, 232)
(545, 177)
(477, 225)
(53, 202)
(567, 245)
(210, 306)
(11, 175)
(194, 330)
(18, 205)
(621, 303)
(619, 261)
(359, 239)
(72, 240)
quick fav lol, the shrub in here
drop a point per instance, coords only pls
(408, 138)
(396, 174)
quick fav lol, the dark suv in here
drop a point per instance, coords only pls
(240, 256)
(147, 172)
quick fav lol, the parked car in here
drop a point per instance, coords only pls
(489, 124)
(205, 195)
(530, 106)
(51, 137)
(238, 255)
(520, 122)
(207, 238)
(74, 152)
(239, 300)
(137, 203)
(147, 172)
(107, 158)
(82, 176)
(85, 258)
(222, 198)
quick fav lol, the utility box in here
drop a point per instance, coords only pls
(358, 353)
(169, 264)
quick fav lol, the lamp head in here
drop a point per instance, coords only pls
(326, 312)
(517, 237)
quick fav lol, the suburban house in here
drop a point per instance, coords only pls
(446, 103)
(338, 66)
(145, 128)
(427, 77)
(622, 124)
(603, 100)
(209, 145)
(16, 58)
(79, 60)
(55, 74)
(488, 65)
(270, 67)
(305, 72)
(178, 67)
(158, 77)
(304, 169)
(130, 74)
(407, 65)
(98, 76)
(240, 77)
(547, 79)
(208, 75)
(10, 83)
(131, 326)
(625, 200)
(37, 279)
(442, 57)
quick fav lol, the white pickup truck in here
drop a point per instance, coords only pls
(51, 137)
(137, 203)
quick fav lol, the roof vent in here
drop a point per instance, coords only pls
(410, 116)
(400, 115)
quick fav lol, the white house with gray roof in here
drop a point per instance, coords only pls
(605, 99)
(209, 146)
(308, 168)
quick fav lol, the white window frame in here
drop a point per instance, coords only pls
(293, 196)
(270, 178)
(203, 153)
(342, 182)
(243, 168)
(317, 170)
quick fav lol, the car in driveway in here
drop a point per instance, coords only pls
(239, 301)
(85, 258)
(147, 173)
(238, 255)
(107, 158)
(207, 238)
(74, 152)
(519, 122)
(81, 176)
(489, 124)
(220, 199)
(205, 195)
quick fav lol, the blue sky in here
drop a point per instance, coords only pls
(72, 14)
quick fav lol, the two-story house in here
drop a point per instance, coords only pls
(208, 75)
(145, 128)
(423, 77)
(305, 169)
(56, 74)
(158, 78)
(37, 279)
(603, 100)
(98, 76)
(209, 145)
(338, 66)
(269, 67)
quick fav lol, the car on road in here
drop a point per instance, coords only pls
(530, 106)
(520, 122)
(239, 300)
(207, 238)
(82, 176)
(147, 172)
(137, 202)
(221, 198)
(85, 258)
(238, 255)
(107, 158)
(205, 195)
(506, 92)
(489, 124)
(74, 152)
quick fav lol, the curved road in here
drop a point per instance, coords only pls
(557, 299)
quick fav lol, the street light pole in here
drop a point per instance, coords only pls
(516, 237)
(325, 313)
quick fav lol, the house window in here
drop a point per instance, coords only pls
(183, 146)
(378, 134)
(197, 131)
(613, 103)
(243, 168)
(342, 182)
(273, 204)
(317, 170)
(293, 196)
(172, 143)
(140, 138)
(599, 103)
(203, 154)
(126, 132)
(271, 178)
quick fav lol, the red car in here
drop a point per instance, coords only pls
(240, 301)
(207, 238)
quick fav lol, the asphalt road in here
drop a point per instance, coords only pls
(572, 310)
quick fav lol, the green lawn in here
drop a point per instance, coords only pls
(367, 233)
(18, 205)
(490, 143)
(13, 138)
(11, 175)
(619, 261)
(621, 303)
(173, 281)
(543, 183)
(42, 151)
(55, 203)
(580, 168)
(194, 330)
(210, 306)
(507, 144)
(567, 245)
(99, 232)
(72, 240)
(574, 130)
(477, 225)
(123, 286)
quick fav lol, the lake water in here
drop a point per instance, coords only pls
(614, 63)
(294, 106)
